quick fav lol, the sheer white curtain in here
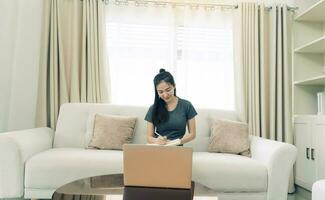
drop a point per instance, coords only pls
(205, 65)
(193, 43)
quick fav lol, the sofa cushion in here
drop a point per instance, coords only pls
(229, 137)
(112, 131)
(56, 167)
(229, 172)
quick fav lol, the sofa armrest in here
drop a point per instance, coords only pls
(279, 158)
(15, 148)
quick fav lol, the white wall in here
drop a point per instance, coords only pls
(20, 24)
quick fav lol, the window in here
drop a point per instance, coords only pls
(195, 45)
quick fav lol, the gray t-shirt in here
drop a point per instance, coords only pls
(175, 127)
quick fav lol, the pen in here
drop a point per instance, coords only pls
(158, 134)
(164, 137)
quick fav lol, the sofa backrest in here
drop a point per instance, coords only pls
(72, 123)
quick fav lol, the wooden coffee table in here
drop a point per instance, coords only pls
(111, 187)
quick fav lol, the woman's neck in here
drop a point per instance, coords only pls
(172, 102)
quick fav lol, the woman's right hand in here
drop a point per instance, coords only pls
(160, 140)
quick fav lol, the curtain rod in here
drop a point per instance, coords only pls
(289, 8)
(174, 3)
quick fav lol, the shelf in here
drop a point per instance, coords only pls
(314, 13)
(306, 115)
(319, 80)
(316, 46)
(315, 116)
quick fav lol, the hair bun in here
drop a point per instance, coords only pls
(162, 70)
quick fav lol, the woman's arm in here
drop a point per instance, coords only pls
(191, 131)
(150, 135)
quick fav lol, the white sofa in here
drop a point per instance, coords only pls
(33, 163)
(318, 190)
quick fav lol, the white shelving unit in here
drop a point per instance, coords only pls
(308, 59)
(319, 80)
(316, 46)
(314, 13)
(308, 80)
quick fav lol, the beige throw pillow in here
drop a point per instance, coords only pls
(229, 137)
(112, 131)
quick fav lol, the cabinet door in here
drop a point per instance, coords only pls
(319, 143)
(305, 168)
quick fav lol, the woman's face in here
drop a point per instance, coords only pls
(165, 91)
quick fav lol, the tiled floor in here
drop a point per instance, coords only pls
(300, 194)
(295, 197)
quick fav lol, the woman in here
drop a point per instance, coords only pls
(168, 116)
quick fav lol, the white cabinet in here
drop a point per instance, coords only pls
(319, 155)
(310, 141)
(305, 166)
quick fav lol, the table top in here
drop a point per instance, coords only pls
(111, 187)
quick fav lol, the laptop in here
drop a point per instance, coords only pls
(157, 166)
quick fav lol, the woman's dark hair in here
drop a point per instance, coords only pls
(160, 113)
